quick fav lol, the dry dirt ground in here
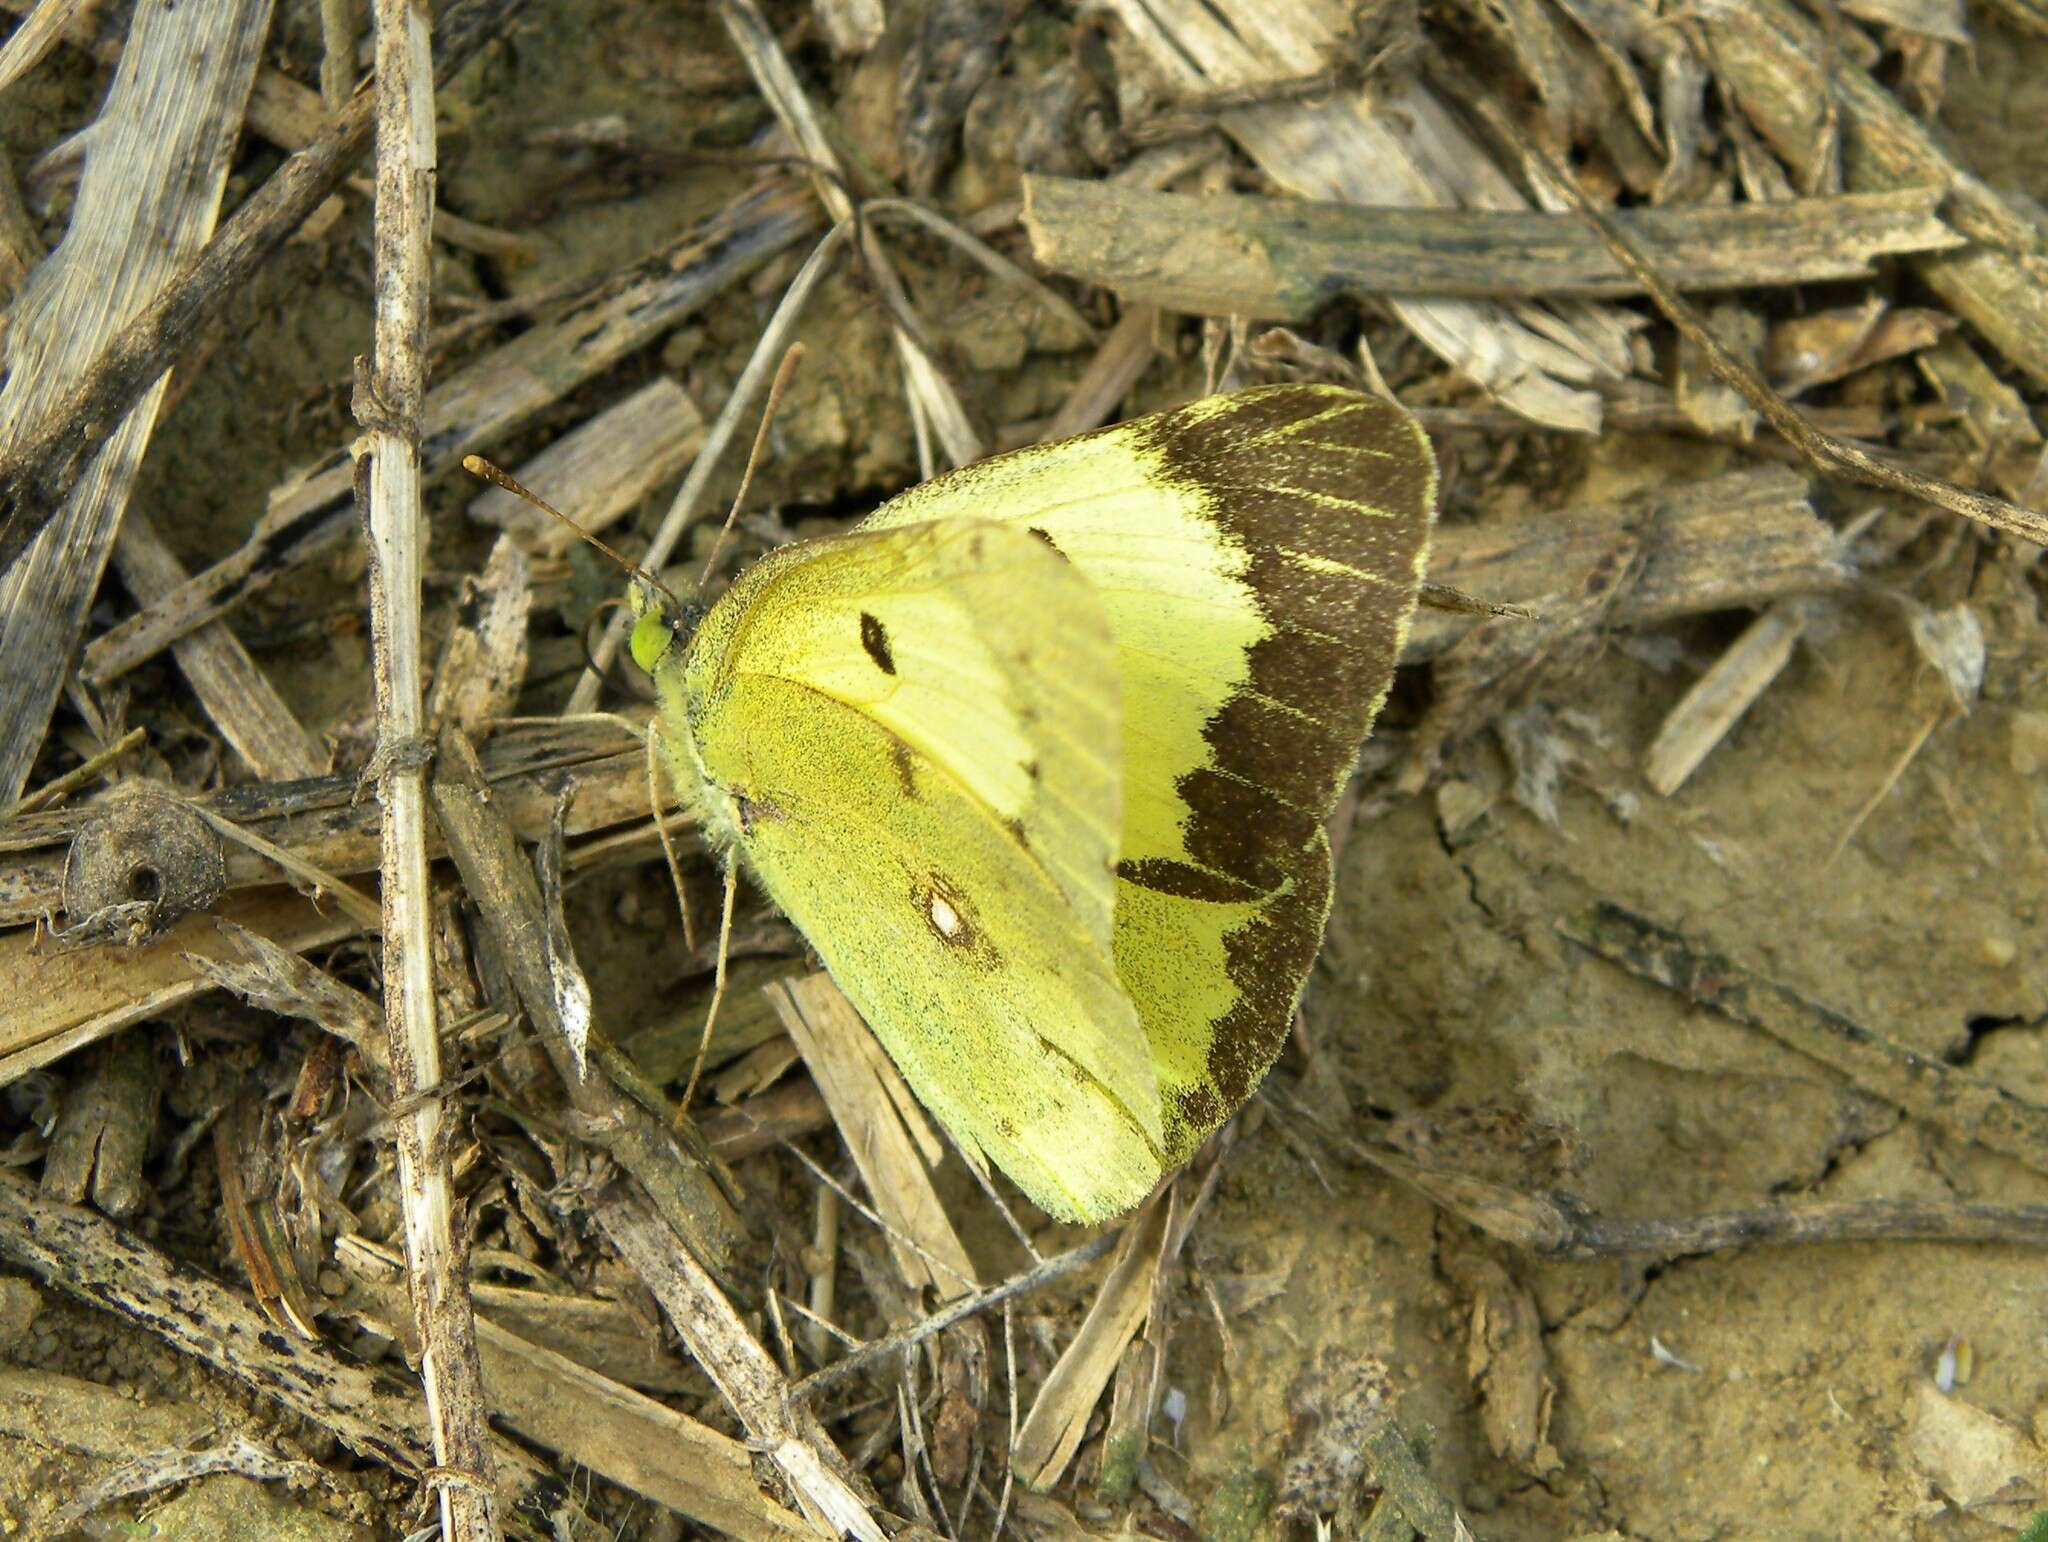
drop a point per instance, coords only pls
(1735, 1394)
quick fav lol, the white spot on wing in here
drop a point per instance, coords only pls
(945, 919)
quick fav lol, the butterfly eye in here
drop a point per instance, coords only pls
(686, 618)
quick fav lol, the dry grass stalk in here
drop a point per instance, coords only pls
(148, 200)
(1117, 366)
(1277, 259)
(932, 399)
(64, 1000)
(745, 1374)
(57, 789)
(483, 662)
(281, 110)
(1059, 1417)
(1827, 452)
(390, 394)
(322, 828)
(35, 37)
(236, 695)
(1404, 151)
(318, 881)
(276, 979)
(1710, 709)
(762, 367)
(479, 404)
(52, 451)
(687, 1190)
(593, 1421)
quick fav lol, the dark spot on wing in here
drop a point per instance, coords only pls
(1049, 541)
(953, 919)
(875, 640)
(905, 764)
(1184, 880)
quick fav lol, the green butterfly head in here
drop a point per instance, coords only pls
(661, 622)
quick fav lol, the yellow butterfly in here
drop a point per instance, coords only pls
(1038, 758)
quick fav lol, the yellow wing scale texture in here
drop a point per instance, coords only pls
(1038, 757)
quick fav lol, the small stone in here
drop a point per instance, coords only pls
(19, 1303)
(1459, 805)
(2029, 749)
(1997, 951)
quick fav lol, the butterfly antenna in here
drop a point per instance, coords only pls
(784, 373)
(498, 476)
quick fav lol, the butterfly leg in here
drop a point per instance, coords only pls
(732, 890)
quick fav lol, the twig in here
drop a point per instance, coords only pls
(1408, 1483)
(666, 1156)
(1282, 259)
(1964, 1105)
(390, 391)
(369, 1411)
(1553, 1225)
(1352, 147)
(59, 788)
(50, 455)
(1827, 452)
(1778, 65)
(957, 1310)
(745, 1374)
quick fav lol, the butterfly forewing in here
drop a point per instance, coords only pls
(913, 738)
(1259, 556)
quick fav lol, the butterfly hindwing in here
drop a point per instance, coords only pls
(1258, 556)
(914, 737)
